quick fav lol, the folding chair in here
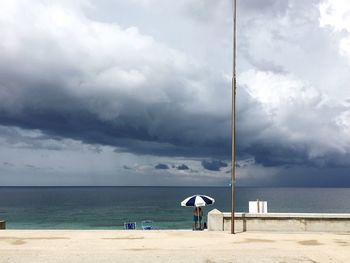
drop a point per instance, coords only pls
(129, 225)
(147, 225)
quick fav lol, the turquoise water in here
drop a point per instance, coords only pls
(110, 207)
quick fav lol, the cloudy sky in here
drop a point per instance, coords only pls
(138, 92)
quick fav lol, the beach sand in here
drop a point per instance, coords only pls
(170, 246)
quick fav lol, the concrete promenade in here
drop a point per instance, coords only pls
(87, 246)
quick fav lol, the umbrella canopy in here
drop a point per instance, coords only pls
(198, 200)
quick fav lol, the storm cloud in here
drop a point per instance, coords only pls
(213, 165)
(86, 82)
(182, 167)
(81, 76)
(161, 166)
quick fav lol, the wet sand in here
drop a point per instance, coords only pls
(170, 246)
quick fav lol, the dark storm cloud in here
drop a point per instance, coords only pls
(161, 166)
(182, 167)
(137, 102)
(271, 155)
(213, 165)
(101, 84)
(158, 129)
(303, 177)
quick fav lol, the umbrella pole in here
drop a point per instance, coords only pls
(197, 218)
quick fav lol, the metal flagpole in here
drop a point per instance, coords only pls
(233, 129)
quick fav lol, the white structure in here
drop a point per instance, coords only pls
(283, 222)
(257, 207)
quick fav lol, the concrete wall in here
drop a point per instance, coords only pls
(283, 222)
(2, 224)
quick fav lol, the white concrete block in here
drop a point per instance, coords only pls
(257, 207)
(215, 220)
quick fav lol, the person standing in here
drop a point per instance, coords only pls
(197, 218)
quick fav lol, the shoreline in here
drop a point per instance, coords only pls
(104, 246)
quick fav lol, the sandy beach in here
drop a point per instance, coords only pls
(170, 246)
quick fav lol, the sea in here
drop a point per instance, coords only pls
(110, 207)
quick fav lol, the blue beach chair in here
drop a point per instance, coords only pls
(129, 225)
(147, 225)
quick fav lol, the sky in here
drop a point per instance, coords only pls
(138, 92)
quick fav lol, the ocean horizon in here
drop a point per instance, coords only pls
(108, 207)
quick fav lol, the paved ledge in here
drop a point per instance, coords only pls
(284, 222)
(289, 215)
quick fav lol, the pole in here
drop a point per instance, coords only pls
(233, 129)
(197, 218)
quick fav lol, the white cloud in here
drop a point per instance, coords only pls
(336, 14)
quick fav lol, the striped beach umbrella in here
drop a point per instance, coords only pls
(198, 200)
